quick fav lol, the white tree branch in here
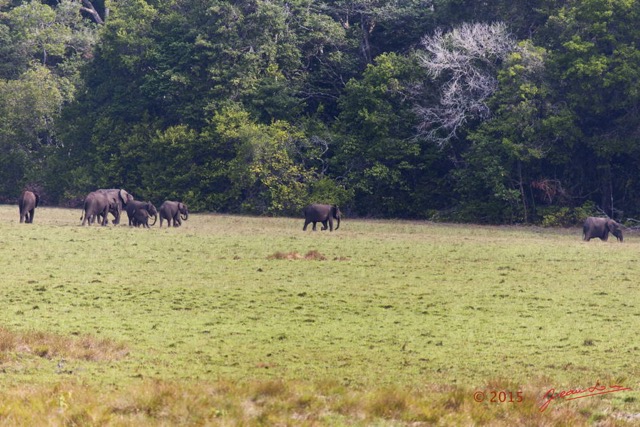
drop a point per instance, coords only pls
(465, 60)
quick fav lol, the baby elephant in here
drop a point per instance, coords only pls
(600, 227)
(173, 211)
(140, 212)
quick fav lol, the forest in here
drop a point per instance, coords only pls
(503, 111)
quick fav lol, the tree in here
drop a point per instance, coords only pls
(47, 47)
(387, 168)
(512, 151)
(464, 61)
(594, 59)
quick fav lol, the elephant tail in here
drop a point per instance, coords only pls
(84, 211)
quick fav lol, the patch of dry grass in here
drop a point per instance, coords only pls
(154, 402)
(50, 345)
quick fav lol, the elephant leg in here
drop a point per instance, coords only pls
(324, 225)
(306, 222)
(330, 224)
(33, 212)
(314, 226)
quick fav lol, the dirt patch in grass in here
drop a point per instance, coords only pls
(312, 255)
(49, 346)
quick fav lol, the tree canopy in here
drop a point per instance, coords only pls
(513, 112)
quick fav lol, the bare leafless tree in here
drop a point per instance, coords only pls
(464, 64)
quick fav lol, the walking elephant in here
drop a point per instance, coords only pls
(175, 211)
(122, 199)
(321, 213)
(27, 203)
(140, 212)
(600, 227)
(97, 204)
(141, 217)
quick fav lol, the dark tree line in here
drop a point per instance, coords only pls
(520, 111)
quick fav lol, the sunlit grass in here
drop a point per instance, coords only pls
(381, 320)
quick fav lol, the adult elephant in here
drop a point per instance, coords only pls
(122, 199)
(173, 211)
(601, 227)
(27, 203)
(321, 213)
(140, 212)
(97, 204)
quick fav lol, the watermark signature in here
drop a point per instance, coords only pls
(580, 393)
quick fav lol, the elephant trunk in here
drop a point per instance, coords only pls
(155, 219)
(184, 216)
(337, 222)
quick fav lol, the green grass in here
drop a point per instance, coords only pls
(386, 322)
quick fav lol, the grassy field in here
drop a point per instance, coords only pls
(233, 320)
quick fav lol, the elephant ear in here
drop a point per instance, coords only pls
(613, 227)
(37, 199)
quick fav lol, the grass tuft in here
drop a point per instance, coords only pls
(388, 403)
(285, 255)
(315, 255)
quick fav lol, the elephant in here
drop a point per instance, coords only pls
(28, 202)
(141, 217)
(175, 211)
(140, 212)
(122, 199)
(600, 227)
(321, 213)
(97, 204)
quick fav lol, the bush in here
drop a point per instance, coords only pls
(558, 216)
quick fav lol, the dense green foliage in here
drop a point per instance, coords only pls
(390, 108)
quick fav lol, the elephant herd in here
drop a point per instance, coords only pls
(99, 204)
